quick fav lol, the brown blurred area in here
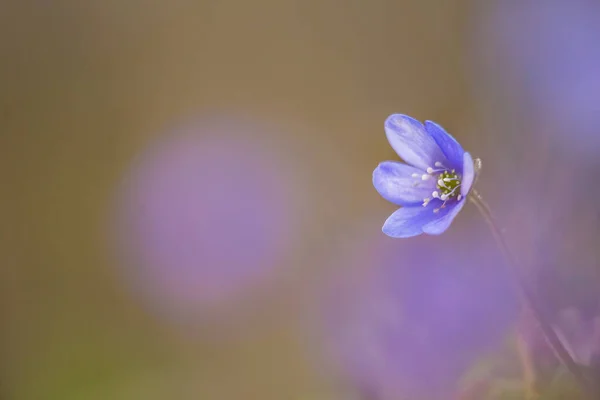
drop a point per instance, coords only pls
(87, 85)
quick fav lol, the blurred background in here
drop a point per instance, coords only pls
(187, 209)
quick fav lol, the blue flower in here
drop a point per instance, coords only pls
(432, 186)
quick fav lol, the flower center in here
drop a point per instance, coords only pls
(448, 185)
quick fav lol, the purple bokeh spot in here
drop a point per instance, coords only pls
(418, 316)
(551, 48)
(206, 216)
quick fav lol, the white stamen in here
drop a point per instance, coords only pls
(429, 170)
(415, 175)
(426, 201)
(451, 192)
(459, 197)
(444, 197)
(441, 183)
(425, 177)
(450, 179)
(436, 210)
(438, 164)
(435, 194)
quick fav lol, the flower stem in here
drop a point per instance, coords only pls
(530, 301)
(526, 359)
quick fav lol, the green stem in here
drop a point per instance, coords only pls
(528, 297)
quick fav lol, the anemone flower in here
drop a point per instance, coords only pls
(431, 186)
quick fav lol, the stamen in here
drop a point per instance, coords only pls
(438, 164)
(426, 201)
(447, 183)
(435, 194)
(415, 175)
(449, 194)
(425, 177)
(431, 170)
(459, 197)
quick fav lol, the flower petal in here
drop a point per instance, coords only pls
(450, 147)
(412, 143)
(440, 225)
(413, 221)
(407, 221)
(395, 182)
(468, 175)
